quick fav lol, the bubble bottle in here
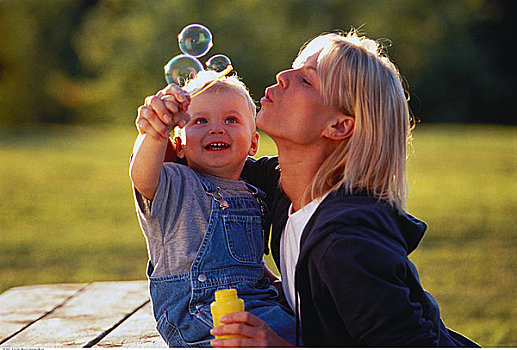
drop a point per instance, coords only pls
(226, 302)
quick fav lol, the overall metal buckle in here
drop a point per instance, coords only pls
(218, 197)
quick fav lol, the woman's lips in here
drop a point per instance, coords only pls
(265, 100)
(267, 97)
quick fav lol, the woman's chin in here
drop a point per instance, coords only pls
(262, 122)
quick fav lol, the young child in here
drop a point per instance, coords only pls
(203, 226)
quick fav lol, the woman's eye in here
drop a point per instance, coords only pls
(200, 121)
(305, 81)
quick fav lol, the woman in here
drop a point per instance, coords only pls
(340, 234)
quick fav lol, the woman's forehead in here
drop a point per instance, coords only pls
(309, 60)
(315, 50)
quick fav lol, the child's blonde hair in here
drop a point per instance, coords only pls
(359, 79)
(225, 84)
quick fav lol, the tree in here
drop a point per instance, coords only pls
(36, 57)
(95, 60)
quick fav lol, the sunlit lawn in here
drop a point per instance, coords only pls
(67, 215)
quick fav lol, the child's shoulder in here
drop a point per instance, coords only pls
(181, 174)
(173, 167)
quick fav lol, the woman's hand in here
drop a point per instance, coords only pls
(254, 331)
(162, 112)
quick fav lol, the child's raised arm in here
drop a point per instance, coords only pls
(156, 119)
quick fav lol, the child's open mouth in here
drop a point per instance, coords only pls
(217, 146)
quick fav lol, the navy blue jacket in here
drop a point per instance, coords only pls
(356, 284)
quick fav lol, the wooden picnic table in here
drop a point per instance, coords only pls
(100, 314)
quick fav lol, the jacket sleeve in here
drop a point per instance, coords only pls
(263, 173)
(370, 287)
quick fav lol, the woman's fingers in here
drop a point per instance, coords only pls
(144, 127)
(169, 89)
(239, 329)
(158, 106)
(238, 343)
(181, 96)
(152, 122)
(184, 118)
(163, 111)
(171, 104)
(242, 317)
(253, 330)
(179, 113)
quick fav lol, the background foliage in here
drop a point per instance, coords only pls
(93, 61)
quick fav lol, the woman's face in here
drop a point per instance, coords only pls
(293, 109)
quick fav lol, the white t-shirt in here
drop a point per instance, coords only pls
(290, 246)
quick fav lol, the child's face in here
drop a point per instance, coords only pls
(220, 134)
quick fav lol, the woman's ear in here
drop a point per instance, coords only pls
(254, 144)
(340, 128)
(180, 152)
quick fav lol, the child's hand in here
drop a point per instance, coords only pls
(162, 112)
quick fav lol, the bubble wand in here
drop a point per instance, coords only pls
(222, 74)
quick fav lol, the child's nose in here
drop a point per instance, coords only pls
(217, 129)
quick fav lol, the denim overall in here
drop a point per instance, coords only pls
(230, 256)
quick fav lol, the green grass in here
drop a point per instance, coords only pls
(463, 183)
(67, 215)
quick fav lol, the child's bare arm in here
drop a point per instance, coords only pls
(146, 164)
(155, 120)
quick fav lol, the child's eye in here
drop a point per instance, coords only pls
(230, 120)
(200, 121)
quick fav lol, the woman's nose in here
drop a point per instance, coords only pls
(282, 78)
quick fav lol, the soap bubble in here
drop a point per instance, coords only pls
(195, 40)
(218, 63)
(181, 68)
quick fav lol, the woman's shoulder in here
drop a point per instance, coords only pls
(364, 218)
(355, 209)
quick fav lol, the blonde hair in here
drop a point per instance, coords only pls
(226, 83)
(358, 78)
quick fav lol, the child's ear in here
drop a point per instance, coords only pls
(342, 127)
(254, 144)
(180, 152)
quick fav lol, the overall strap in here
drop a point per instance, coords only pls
(207, 184)
(213, 191)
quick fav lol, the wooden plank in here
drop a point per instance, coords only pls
(21, 306)
(87, 316)
(138, 331)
